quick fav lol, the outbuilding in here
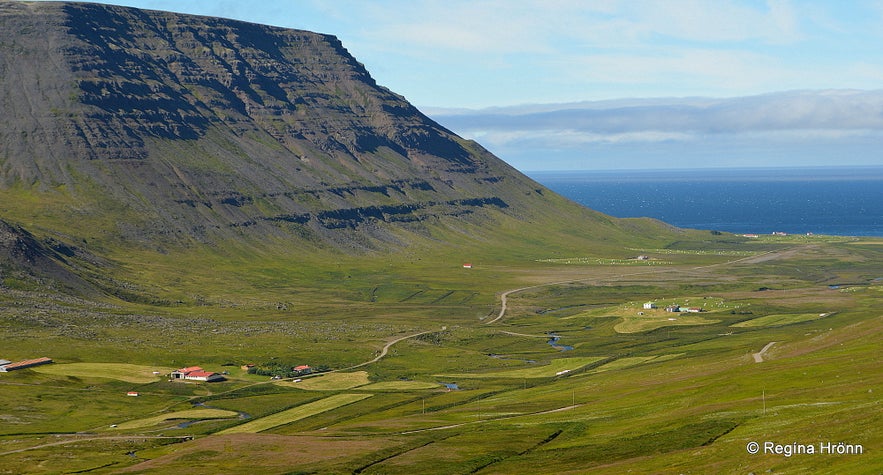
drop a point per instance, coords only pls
(24, 364)
(196, 373)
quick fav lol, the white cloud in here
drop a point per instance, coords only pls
(832, 114)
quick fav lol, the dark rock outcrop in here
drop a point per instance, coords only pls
(183, 128)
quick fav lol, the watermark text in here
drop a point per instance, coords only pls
(796, 448)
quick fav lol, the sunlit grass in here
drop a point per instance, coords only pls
(192, 414)
(329, 382)
(782, 319)
(296, 413)
(556, 367)
(129, 373)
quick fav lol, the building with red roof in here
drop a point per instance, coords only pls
(196, 373)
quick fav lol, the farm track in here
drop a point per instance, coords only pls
(758, 357)
(766, 256)
(386, 348)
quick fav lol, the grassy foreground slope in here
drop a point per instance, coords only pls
(669, 398)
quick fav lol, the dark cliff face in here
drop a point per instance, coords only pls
(201, 128)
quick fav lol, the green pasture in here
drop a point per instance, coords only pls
(329, 381)
(628, 362)
(296, 413)
(130, 373)
(192, 414)
(659, 399)
(555, 367)
(400, 386)
(647, 322)
(777, 320)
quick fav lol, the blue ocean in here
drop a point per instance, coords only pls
(824, 200)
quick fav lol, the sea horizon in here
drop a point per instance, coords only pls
(832, 200)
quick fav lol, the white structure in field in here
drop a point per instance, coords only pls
(195, 373)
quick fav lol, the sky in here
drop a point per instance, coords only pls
(618, 84)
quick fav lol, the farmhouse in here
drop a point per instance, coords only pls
(673, 308)
(24, 364)
(649, 306)
(196, 373)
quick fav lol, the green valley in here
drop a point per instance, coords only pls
(224, 248)
(668, 397)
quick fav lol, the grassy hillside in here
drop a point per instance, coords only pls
(195, 191)
(669, 396)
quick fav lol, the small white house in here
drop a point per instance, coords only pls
(649, 306)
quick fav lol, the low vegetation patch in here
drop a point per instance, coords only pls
(295, 413)
(647, 322)
(604, 261)
(329, 382)
(780, 319)
(192, 414)
(698, 252)
(634, 361)
(400, 386)
(119, 371)
(556, 367)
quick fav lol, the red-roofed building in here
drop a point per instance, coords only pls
(207, 376)
(196, 373)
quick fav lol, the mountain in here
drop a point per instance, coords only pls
(126, 129)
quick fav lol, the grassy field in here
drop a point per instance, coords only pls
(775, 320)
(296, 413)
(190, 415)
(330, 381)
(136, 374)
(556, 367)
(401, 386)
(633, 361)
(639, 394)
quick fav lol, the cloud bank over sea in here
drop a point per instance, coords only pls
(795, 128)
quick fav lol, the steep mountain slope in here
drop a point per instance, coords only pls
(155, 127)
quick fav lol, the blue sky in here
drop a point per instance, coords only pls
(563, 72)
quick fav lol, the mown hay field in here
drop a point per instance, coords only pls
(296, 413)
(777, 320)
(329, 382)
(129, 373)
(555, 367)
(192, 414)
